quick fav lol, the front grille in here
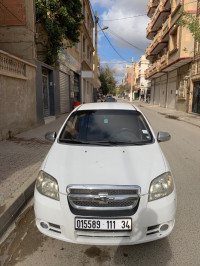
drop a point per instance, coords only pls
(84, 199)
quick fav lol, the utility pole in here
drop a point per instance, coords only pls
(131, 96)
(95, 55)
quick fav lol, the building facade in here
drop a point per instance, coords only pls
(129, 80)
(17, 67)
(143, 84)
(170, 53)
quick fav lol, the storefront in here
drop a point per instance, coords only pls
(70, 87)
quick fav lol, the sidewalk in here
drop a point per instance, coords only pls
(20, 160)
(191, 118)
(21, 157)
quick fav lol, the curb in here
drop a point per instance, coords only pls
(14, 205)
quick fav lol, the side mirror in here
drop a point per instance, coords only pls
(51, 136)
(163, 136)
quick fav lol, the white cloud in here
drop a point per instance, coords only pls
(133, 30)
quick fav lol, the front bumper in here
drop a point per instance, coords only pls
(146, 222)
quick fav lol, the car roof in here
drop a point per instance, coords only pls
(107, 106)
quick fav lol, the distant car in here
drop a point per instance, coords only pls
(110, 99)
(105, 180)
(126, 97)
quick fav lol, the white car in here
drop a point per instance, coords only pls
(105, 180)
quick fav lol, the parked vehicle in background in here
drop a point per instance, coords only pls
(105, 180)
(110, 99)
(126, 97)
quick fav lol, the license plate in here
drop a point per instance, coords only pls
(103, 224)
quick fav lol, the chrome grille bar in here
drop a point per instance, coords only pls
(103, 197)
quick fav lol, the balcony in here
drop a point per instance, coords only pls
(165, 29)
(156, 46)
(158, 18)
(164, 61)
(151, 7)
(154, 69)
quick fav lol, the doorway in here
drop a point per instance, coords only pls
(45, 85)
(196, 98)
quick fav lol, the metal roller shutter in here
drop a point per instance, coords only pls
(163, 87)
(157, 92)
(64, 93)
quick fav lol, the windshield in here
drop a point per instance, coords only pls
(106, 127)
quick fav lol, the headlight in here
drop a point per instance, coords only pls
(47, 185)
(161, 186)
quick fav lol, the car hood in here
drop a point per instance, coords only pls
(107, 165)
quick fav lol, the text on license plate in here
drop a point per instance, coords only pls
(103, 224)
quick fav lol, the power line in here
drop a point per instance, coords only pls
(108, 38)
(125, 17)
(116, 35)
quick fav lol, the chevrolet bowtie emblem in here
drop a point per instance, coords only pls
(103, 198)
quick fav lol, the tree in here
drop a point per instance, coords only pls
(108, 82)
(191, 22)
(122, 89)
(61, 20)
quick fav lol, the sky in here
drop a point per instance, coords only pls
(127, 22)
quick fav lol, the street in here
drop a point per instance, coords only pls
(26, 246)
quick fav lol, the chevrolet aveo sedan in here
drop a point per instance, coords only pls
(105, 180)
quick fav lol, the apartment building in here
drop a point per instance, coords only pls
(129, 80)
(144, 85)
(87, 49)
(170, 53)
(17, 67)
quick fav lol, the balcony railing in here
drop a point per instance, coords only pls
(160, 8)
(12, 66)
(166, 27)
(151, 7)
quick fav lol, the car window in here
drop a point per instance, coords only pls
(111, 126)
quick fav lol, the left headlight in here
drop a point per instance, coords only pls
(47, 185)
(161, 186)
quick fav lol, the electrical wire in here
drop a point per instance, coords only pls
(108, 38)
(116, 35)
(125, 17)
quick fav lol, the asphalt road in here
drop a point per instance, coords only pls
(26, 246)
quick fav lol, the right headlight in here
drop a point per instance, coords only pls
(161, 186)
(47, 185)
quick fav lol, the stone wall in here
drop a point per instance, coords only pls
(17, 95)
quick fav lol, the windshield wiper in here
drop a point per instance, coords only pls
(76, 141)
(112, 142)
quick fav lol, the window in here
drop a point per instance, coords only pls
(88, 52)
(174, 40)
(88, 21)
(83, 44)
(83, 8)
(107, 127)
(182, 86)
